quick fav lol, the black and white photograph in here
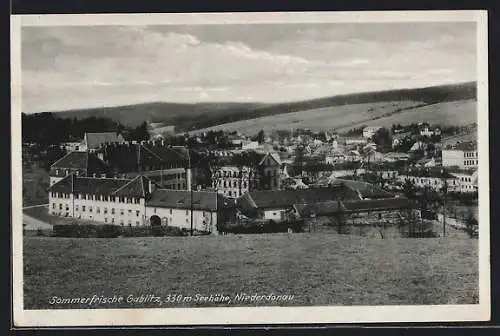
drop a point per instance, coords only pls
(250, 168)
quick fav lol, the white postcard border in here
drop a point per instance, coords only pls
(259, 315)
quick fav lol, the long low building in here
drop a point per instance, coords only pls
(133, 202)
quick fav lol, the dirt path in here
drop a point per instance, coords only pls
(31, 223)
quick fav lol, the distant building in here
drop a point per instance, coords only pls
(467, 180)
(463, 155)
(233, 181)
(369, 131)
(92, 141)
(167, 166)
(434, 178)
(354, 141)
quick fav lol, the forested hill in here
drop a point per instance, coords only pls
(187, 117)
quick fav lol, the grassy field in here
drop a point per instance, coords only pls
(346, 117)
(317, 269)
(319, 118)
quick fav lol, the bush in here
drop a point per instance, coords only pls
(262, 226)
(86, 231)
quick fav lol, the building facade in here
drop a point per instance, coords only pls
(132, 202)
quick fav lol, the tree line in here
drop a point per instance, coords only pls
(47, 129)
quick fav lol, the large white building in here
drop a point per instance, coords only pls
(462, 155)
(136, 202)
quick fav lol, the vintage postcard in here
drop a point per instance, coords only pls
(250, 168)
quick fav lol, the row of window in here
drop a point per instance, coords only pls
(230, 184)
(471, 162)
(470, 154)
(104, 198)
(97, 210)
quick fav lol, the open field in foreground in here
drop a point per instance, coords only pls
(318, 269)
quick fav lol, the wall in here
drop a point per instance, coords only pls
(181, 218)
(102, 211)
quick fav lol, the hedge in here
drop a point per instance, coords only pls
(113, 231)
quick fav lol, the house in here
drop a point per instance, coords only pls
(270, 171)
(92, 141)
(467, 180)
(174, 208)
(462, 155)
(395, 157)
(78, 163)
(369, 131)
(434, 178)
(290, 183)
(71, 146)
(418, 145)
(277, 204)
(132, 202)
(354, 141)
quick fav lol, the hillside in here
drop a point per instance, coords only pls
(190, 117)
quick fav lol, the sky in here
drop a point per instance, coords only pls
(93, 66)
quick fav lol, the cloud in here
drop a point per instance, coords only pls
(72, 67)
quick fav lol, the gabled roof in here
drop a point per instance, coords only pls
(94, 140)
(319, 209)
(274, 156)
(181, 199)
(88, 162)
(286, 198)
(88, 185)
(138, 187)
(72, 160)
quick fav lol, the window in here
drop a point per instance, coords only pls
(60, 206)
(105, 210)
(129, 200)
(90, 209)
(137, 223)
(137, 213)
(129, 212)
(170, 211)
(121, 222)
(83, 208)
(53, 205)
(121, 212)
(112, 211)
(98, 210)
(77, 208)
(112, 220)
(105, 220)
(187, 212)
(129, 223)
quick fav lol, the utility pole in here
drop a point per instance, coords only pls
(189, 173)
(445, 190)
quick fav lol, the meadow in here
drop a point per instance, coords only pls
(345, 117)
(317, 269)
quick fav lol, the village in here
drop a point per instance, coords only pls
(219, 182)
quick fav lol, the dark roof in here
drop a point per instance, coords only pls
(429, 172)
(84, 161)
(285, 198)
(139, 186)
(88, 185)
(333, 207)
(72, 160)
(319, 209)
(167, 198)
(94, 140)
(464, 146)
(367, 190)
(377, 204)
